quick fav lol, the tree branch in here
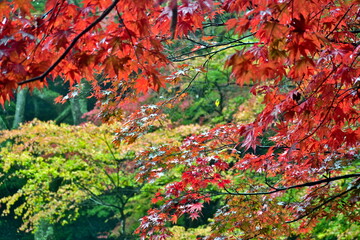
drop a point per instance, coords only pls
(176, 58)
(72, 44)
(322, 204)
(308, 184)
(210, 53)
(206, 25)
(338, 23)
(95, 198)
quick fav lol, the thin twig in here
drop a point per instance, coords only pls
(211, 53)
(212, 46)
(338, 23)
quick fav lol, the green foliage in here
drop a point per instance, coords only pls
(180, 233)
(40, 104)
(7, 115)
(212, 98)
(10, 223)
(93, 221)
(71, 174)
(337, 228)
(62, 166)
(39, 6)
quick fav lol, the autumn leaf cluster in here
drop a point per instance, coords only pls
(277, 175)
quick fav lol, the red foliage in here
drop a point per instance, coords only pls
(306, 64)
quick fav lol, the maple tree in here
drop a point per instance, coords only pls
(60, 168)
(293, 165)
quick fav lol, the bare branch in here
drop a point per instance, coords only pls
(210, 53)
(176, 58)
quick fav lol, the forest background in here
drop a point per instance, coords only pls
(179, 119)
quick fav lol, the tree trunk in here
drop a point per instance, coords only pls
(20, 107)
(78, 108)
(79, 104)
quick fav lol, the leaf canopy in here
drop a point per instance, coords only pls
(304, 62)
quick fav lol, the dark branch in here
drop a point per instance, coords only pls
(337, 25)
(176, 58)
(321, 205)
(309, 184)
(96, 198)
(210, 53)
(72, 44)
(206, 25)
